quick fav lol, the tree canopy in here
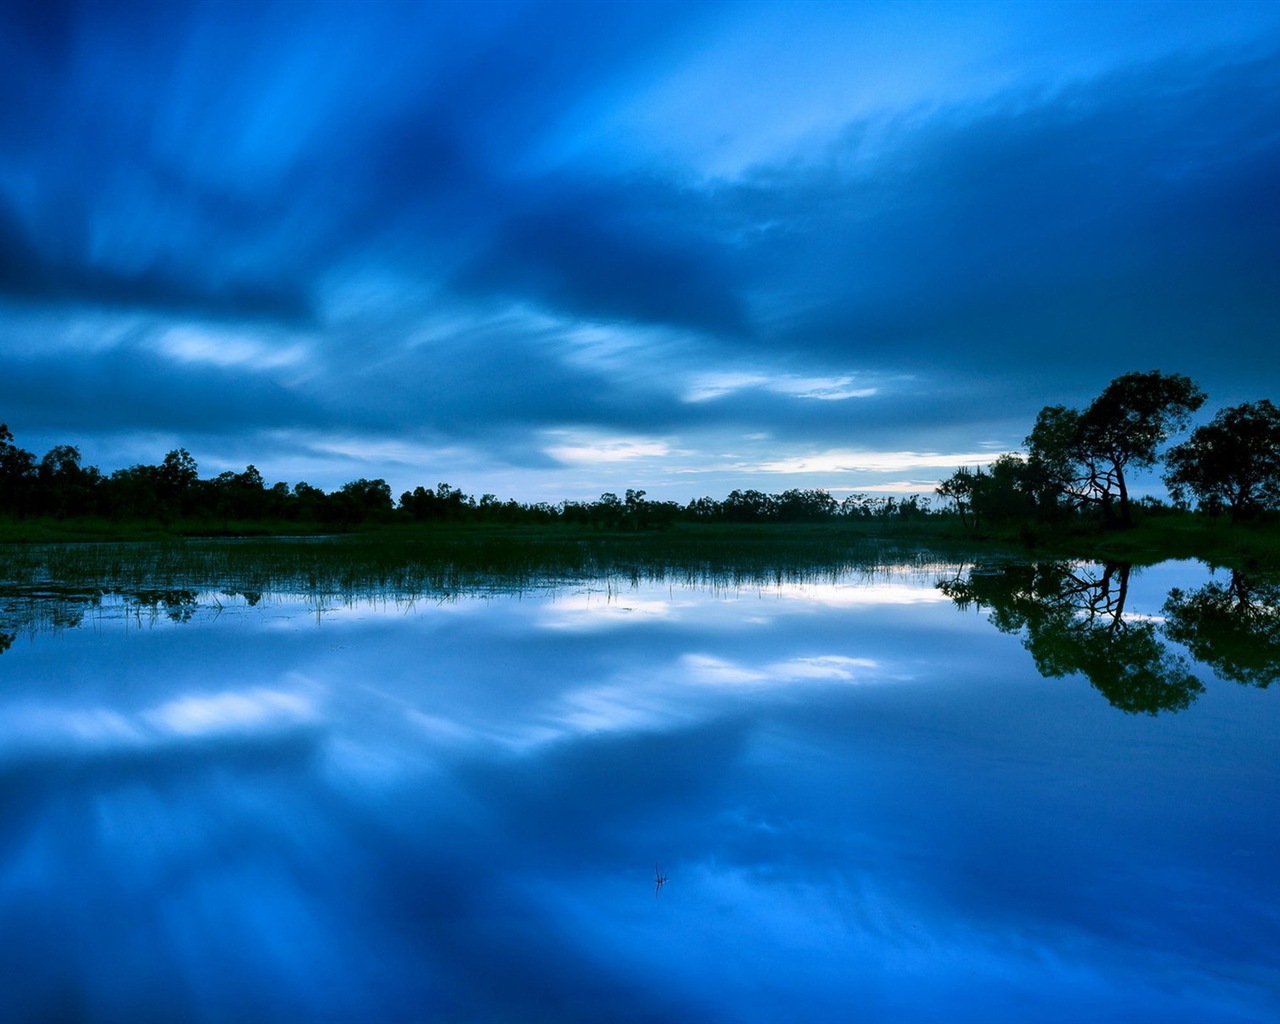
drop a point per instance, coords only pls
(1231, 463)
(1085, 455)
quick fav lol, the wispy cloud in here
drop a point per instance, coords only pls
(229, 348)
(585, 450)
(846, 461)
(704, 387)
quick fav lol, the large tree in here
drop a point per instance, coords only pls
(1231, 463)
(1087, 454)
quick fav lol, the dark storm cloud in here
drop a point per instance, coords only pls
(28, 274)
(42, 31)
(467, 389)
(79, 394)
(975, 404)
(132, 385)
(578, 259)
(1132, 218)
(241, 197)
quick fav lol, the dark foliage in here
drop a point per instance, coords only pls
(1072, 619)
(59, 486)
(1077, 462)
(1232, 463)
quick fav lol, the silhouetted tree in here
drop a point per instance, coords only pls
(17, 474)
(959, 489)
(240, 495)
(1233, 462)
(749, 506)
(445, 502)
(135, 493)
(63, 487)
(178, 478)
(705, 509)
(362, 500)
(1085, 455)
(854, 506)
(1004, 493)
(804, 505)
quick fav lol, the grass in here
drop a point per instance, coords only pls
(1249, 546)
(443, 559)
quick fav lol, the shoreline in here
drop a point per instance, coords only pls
(1154, 539)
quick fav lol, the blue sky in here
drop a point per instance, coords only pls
(547, 250)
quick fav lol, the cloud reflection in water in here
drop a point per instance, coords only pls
(869, 805)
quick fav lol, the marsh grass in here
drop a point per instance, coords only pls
(443, 562)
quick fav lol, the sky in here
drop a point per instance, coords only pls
(546, 250)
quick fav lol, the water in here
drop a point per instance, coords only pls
(868, 802)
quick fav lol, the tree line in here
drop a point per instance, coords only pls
(59, 485)
(1077, 465)
(1078, 462)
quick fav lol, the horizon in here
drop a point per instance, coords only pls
(549, 251)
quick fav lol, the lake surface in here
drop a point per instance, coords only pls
(868, 800)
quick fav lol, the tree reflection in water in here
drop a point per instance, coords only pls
(1235, 629)
(50, 609)
(1073, 620)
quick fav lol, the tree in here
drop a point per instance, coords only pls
(958, 488)
(177, 477)
(636, 507)
(805, 505)
(64, 487)
(362, 499)
(240, 495)
(17, 473)
(1232, 462)
(135, 493)
(308, 502)
(1085, 455)
(749, 506)
(1000, 493)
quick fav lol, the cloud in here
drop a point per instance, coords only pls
(579, 450)
(28, 273)
(226, 348)
(875, 461)
(129, 386)
(1103, 225)
(707, 386)
(184, 726)
(610, 255)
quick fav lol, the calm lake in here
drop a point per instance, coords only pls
(930, 791)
